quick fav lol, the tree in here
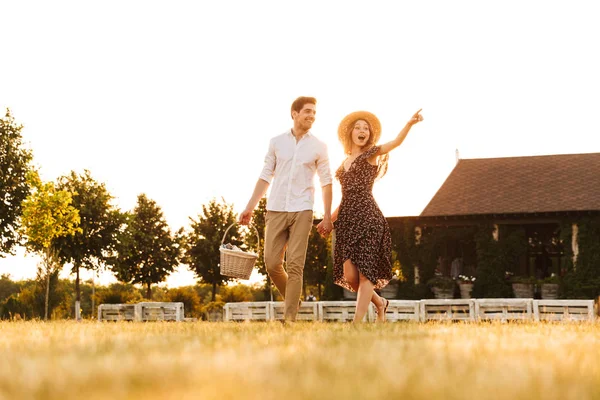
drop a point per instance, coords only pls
(259, 221)
(51, 288)
(8, 287)
(14, 165)
(317, 260)
(99, 224)
(202, 244)
(146, 251)
(47, 215)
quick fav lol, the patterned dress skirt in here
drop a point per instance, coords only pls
(362, 234)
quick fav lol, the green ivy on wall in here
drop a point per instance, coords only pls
(424, 255)
(582, 280)
(495, 258)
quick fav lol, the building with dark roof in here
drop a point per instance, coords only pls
(519, 185)
(535, 193)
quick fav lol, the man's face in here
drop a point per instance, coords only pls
(305, 117)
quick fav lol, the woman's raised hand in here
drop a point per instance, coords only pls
(416, 118)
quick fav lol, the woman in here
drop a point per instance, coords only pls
(363, 244)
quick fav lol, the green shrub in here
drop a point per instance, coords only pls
(409, 291)
(442, 282)
(551, 279)
(523, 279)
(12, 308)
(118, 293)
(189, 297)
(237, 293)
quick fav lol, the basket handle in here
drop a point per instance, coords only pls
(249, 224)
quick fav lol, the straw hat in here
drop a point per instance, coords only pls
(351, 118)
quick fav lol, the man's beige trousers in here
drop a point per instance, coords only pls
(287, 232)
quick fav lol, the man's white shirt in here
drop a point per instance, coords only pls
(291, 168)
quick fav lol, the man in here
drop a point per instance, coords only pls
(291, 162)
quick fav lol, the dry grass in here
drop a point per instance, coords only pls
(67, 360)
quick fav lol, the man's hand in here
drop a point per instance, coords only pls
(325, 227)
(245, 216)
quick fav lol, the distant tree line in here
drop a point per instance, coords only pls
(73, 222)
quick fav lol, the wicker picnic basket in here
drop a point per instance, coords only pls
(235, 263)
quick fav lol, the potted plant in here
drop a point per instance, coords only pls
(550, 287)
(523, 286)
(465, 283)
(442, 287)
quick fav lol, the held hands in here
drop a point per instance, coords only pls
(325, 227)
(416, 118)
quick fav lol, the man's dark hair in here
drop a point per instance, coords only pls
(300, 102)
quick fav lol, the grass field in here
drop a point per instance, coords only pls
(69, 360)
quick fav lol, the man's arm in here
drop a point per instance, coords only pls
(261, 185)
(327, 198)
(326, 226)
(324, 172)
(259, 191)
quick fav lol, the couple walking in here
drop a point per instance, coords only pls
(362, 248)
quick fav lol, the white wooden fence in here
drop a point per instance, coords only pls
(447, 310)
(248, 311)
(563, 310)
(505, 309)
(341, 311)
(466, 310)
(145, 311)
(308, 311)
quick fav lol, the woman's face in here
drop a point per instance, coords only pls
(360, 133)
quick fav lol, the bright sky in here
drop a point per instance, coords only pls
(178, 100)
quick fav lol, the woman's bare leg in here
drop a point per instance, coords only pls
(363, 298)
(352, 276)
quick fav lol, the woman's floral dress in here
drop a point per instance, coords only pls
(361, 231)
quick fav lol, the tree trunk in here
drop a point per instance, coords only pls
(149, 292)
(47, 296)
(48, 268)
(270, 287)
(214, 293)
(77, 295)
(319, 290)
(93, 293)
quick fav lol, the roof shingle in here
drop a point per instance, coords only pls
(553, 183)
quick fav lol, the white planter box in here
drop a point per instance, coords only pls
(447, 310)
(563, 310)
(248, 311)
(403, 310)
(342, 311)
(308, 311)
(504, 309)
